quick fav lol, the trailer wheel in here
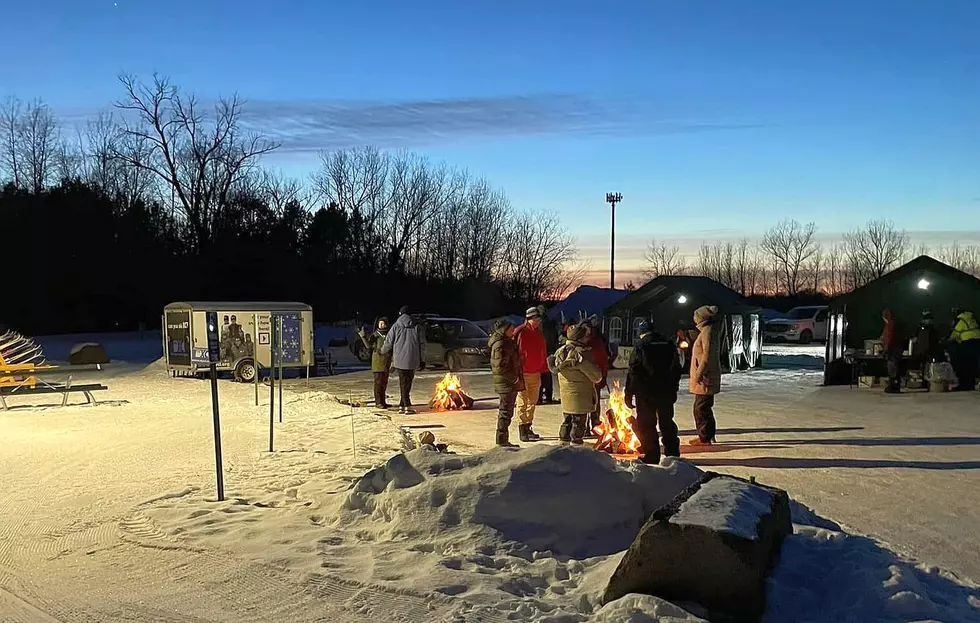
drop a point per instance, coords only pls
(245, 371)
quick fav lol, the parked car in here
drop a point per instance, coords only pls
(455, 343)
(800, 324)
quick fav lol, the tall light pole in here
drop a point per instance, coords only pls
(613, 198)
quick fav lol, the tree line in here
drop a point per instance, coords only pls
(164, 198)
(790, 261)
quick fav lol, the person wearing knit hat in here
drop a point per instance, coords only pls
(705, 378)
(577, 374)
(533, 347)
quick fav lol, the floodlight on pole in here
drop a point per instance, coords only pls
(613, 199)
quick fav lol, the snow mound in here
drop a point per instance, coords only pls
(826, 575)
(568, 501)
(634, 608)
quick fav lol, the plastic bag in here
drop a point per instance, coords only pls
(941, 371)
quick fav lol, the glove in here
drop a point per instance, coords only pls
(629, 401)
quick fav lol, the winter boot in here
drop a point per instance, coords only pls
(503, 441)
(579, 423)
(522, 430)
(503, 433)
(531, 435)
(565, 431)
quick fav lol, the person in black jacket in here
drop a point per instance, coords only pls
(652, 381)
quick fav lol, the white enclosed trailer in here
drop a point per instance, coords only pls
(247, 336)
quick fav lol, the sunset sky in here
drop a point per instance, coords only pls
(714, 119)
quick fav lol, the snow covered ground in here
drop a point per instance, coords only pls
(108, 513)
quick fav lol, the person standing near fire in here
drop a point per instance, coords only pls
(600, 355)
(577, 378)
(705, 380)
(966, 349)
(405, 343)
(380, 362)
(508, 376)
(534, 354)
(653, 379)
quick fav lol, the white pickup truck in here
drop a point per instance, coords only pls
(800, 324)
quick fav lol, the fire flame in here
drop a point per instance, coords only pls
(615, 431)
(446, 396)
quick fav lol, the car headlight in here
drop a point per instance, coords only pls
(470, 351)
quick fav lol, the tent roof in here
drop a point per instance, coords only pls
(588, 299)
(658, 290)
(923, 263)
(238, 306)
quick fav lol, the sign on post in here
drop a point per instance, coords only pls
(214, 356)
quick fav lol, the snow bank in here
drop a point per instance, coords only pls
(827, 575)
(568, 501)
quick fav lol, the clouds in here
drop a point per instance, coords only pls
(313, 125)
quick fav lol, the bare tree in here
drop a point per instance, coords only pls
(875, 249)
(814, 269)
(706, 266)
(743, 267)
(69, 160)
(790, 245)
(201, 159)
(835, 270)
(537, 254)
(38, 145)
(279, 191)
(663, 260)
(10, 140)
(965, 258)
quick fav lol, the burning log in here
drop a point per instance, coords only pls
(616, 432)
(449, 395)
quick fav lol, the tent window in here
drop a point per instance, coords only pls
(615, 330)
(636, 328)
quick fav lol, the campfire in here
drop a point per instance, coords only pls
(615, 430)
(449, 395)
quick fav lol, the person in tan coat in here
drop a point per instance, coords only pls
(705, 379)
(578, 375)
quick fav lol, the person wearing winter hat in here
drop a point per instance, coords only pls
(577, 375)
(380, 362)
(652, 380)
(508, 376)
(534, 355)
(405, 343)
(705, 380)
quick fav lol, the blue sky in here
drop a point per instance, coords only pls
(714, 119)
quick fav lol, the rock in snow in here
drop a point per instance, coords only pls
(713, 546)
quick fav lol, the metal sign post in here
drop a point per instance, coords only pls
(272, 383)
(281, 318)
(214, 356)
(255, 355)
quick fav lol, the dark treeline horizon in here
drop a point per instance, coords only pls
(162, 199)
